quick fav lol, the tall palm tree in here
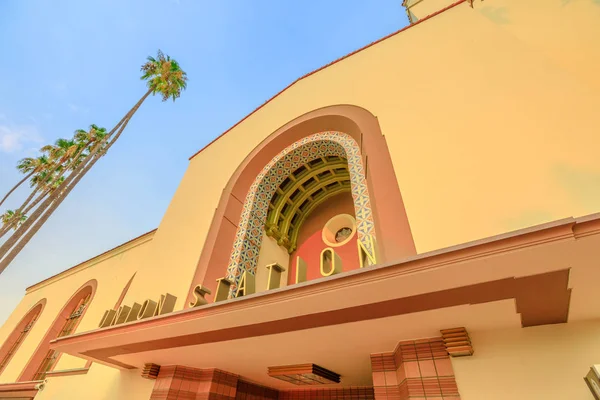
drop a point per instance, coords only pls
(62, 150)
(23, 210)
(72, 152)
(87, 140)
(163, 76)
(10, 216)
(28, 166)
(64, 155)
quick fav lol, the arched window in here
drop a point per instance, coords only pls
(69, 326)
(18, 335)
(44, 358)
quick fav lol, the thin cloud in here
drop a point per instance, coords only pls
(78, 109)
(58, 87)
(14, 139)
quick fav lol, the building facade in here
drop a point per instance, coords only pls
(415, 220)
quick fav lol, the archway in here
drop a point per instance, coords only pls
(254, 213)
(17, 337)
(391, 223)
(44, 359)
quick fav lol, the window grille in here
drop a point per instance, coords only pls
(67, 329)
(13, 348)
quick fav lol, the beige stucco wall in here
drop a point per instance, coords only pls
(422, 8)
(270, 252)
(491, 117)
(491, 122)
(100, 383)
(112, 272)
(544, 362)
(559, 30)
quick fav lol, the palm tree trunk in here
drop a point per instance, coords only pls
(58, 195)
(40, 198)
(66, 168)
(35, 202)
(18, 213)
(16, 186)
(58, 190)
(53, 205)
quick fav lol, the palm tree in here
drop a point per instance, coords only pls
(10, 216)
(163, 76)
(65, 154)
(62, 150)
(87, 140)
(72, 152)
(28, 166)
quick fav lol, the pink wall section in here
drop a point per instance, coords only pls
(310, 242)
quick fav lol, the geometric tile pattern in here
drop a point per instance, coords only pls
(416, 370)
(248, 240)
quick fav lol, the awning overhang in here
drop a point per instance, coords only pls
(524, 278)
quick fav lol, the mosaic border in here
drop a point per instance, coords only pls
(244, 255)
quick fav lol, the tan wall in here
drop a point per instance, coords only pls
(100, 383)
(490, 115)
(170, 264)
(487, 132)
(422, 8)
(560, 30)
(112, 272)
(544, 362)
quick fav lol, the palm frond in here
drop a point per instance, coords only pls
(164, 76)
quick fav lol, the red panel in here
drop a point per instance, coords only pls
(310, 251)
(310, 241)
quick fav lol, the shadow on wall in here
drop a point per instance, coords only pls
(580, 191)
(581, 186)
(498, 15)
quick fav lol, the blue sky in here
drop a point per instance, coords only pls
(68, 64)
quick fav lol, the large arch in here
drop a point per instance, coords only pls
(87, 290)
(248, 240)
(17, 337)
(391, 223)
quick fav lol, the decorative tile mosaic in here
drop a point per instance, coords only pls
(246, 246)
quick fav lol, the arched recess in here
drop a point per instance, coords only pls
(17, 337)
(246, 246)
(394, 238)
(44, 359)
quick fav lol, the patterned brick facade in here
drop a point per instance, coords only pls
(184, 383)
(250, 391)
(352, 393)
(176, 382)
(416, 370)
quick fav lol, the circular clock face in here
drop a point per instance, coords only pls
(343, 234)
(339, 230)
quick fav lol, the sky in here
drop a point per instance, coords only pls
(68, 64)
